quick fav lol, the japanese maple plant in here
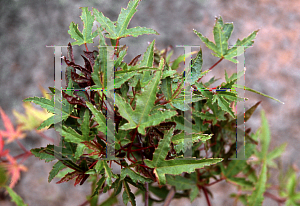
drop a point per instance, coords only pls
(148, 137)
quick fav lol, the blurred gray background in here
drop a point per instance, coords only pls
(27, 26)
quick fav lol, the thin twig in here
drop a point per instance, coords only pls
(206, 196)
(170, 196)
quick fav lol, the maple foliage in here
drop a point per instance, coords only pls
(14, 169)
(10, 133)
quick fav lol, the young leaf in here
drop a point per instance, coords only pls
(33, 117)
(86, 36)
(49, 105)
(118, 29)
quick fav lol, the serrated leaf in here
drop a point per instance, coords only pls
(15, 197)
(10, 133)
(38, 152)
(33, 117)
(178, 140)
(181, 183)
(56, 168)
(240, 181)
(247, 42)
(175, 166)
(86, 36)
(50, 107)
(194, 193)
(99, 117)
(134, 176)
(110, 201)
(140, 118)
(108, 174)
(118, 29)
(222, 33)
(257, 92)
(223, 103)
(72, 136)
(99, 185)
(128, 195)
(257, 196)
(196, 67)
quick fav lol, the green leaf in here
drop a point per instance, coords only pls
(134, 176)
(181, 183)
(194, 193)
(241, 181)
(79, 150)
(108, 173)
(110, 201)
(265, 136)
(140, 118)
(128, 195)
(118, 29)
(178, 140)
(86, 36)
(247, 42)
(223, 103)
(71, 135)
(257, 92)
(44, 152)
(175, 166)
(291, 185)
(15, 197)
(196, 67)
(38, 152)
(222, 33)
(85, 127)
(148, 57)
(99, 185)
(99, 117)
(257, 196)
(56, 168)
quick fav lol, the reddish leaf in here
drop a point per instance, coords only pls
(14, 170)
(2, 152)
(81, 177)
(10, 133)
(73, 100)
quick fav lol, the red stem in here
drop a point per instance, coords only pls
(86, 47)
(215, 182)
(46, 137)
(212, 67)
(21, 145)
(206, 196)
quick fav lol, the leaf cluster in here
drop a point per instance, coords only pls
(148, 138)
